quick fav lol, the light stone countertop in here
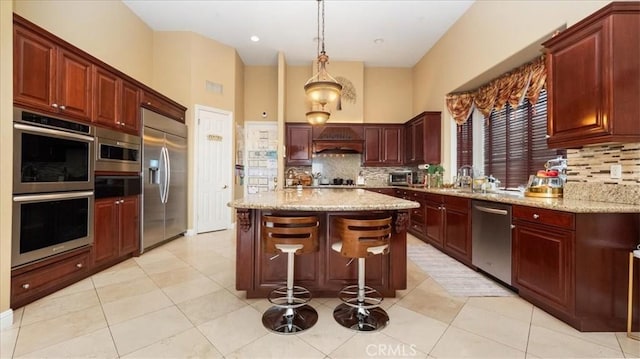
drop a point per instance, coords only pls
(558, 204)
(323, 199)
(510, 197)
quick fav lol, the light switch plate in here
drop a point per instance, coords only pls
(616, 171)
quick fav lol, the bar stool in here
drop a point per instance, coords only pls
(290, 312)
(636, 254)
(360, 308)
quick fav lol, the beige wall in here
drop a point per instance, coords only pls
(6, 149)
(106, 29)
(261, 93)
(490, 32)
(387, 95)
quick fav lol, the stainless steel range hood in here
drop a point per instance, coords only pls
(334, 139)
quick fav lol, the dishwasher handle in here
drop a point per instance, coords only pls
(502, 212)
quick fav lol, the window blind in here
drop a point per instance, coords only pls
(515, 142)
(465, 143)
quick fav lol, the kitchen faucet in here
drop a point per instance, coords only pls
(465, 176)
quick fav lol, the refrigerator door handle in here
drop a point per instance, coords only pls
(165, 181)
(161, 175)
(168, 177)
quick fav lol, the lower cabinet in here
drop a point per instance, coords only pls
(448, 225)
(543, 259)
(34, 281)
(117, 229)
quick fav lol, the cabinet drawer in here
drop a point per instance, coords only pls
(47, 278)
(544, 216)
(433, 197)
(459, 203)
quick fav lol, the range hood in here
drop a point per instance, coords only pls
(334, 139)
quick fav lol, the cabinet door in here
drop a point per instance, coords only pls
(105, 107)
(409, 144)
(543, 264)
(418, 141)
(160, 105)
(392, 146)
(434, 223)
(129, 218)
(457, 241)
(299, 145)
(130, 108)
(74, 92)
(431, 138)
(373, 139)
(106, 230)
(33, 69)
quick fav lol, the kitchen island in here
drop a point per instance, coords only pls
(324, 272)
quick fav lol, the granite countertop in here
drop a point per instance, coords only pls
(558, 204)
(321, 199)
(511, 197)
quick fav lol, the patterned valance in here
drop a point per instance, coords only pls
(525, 81)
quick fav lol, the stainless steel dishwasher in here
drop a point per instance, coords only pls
(491, 239)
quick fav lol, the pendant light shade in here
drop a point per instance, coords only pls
(321, 89)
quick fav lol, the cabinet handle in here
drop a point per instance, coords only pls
(26, 286)
(54, 105)
(547, 136)
(148, 102)
(63, 107)
(79, 265)
(536, 216)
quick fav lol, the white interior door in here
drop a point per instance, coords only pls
(213, 169)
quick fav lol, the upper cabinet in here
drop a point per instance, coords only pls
(51, 75)
(116, 102)
(594, 79)
(298, 144)
(50, 78)
(422, 139)
(162, 105)
(382, 145)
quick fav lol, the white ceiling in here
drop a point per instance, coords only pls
(408, 28)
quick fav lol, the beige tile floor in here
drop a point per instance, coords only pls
(179, 301)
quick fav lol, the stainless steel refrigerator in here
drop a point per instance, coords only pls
(164, 174)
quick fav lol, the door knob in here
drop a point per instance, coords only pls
(224, 187)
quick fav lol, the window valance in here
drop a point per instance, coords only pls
(525, 81)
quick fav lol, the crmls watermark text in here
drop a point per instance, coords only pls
(398, 350)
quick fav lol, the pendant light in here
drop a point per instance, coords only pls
(321, 88)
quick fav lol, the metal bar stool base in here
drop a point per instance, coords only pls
(360, 319)
(289, 320)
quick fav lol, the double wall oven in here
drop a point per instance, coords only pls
(53, 186)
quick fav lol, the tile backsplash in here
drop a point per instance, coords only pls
(589, 173)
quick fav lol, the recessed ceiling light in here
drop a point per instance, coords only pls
(255, 38)
(378, 41)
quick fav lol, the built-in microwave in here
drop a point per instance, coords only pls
(117, 151)
(402, 178)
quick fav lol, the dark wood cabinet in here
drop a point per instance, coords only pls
(594, 79)
(116, 230)
(422, 139)
(324, 272)
(389, 191)
(298, 144)
(50, 78)
(383, 145)
(163, 105)
(39, 279)
(575, 265)
(457, 231)
(116, 102)
(448, 225)
(417, 219)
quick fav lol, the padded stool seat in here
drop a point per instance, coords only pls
(360, 309)
(290, 312)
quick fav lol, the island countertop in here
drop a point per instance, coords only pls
(321, 199)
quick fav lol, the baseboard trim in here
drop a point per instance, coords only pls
(190, 232)
(6, 319)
